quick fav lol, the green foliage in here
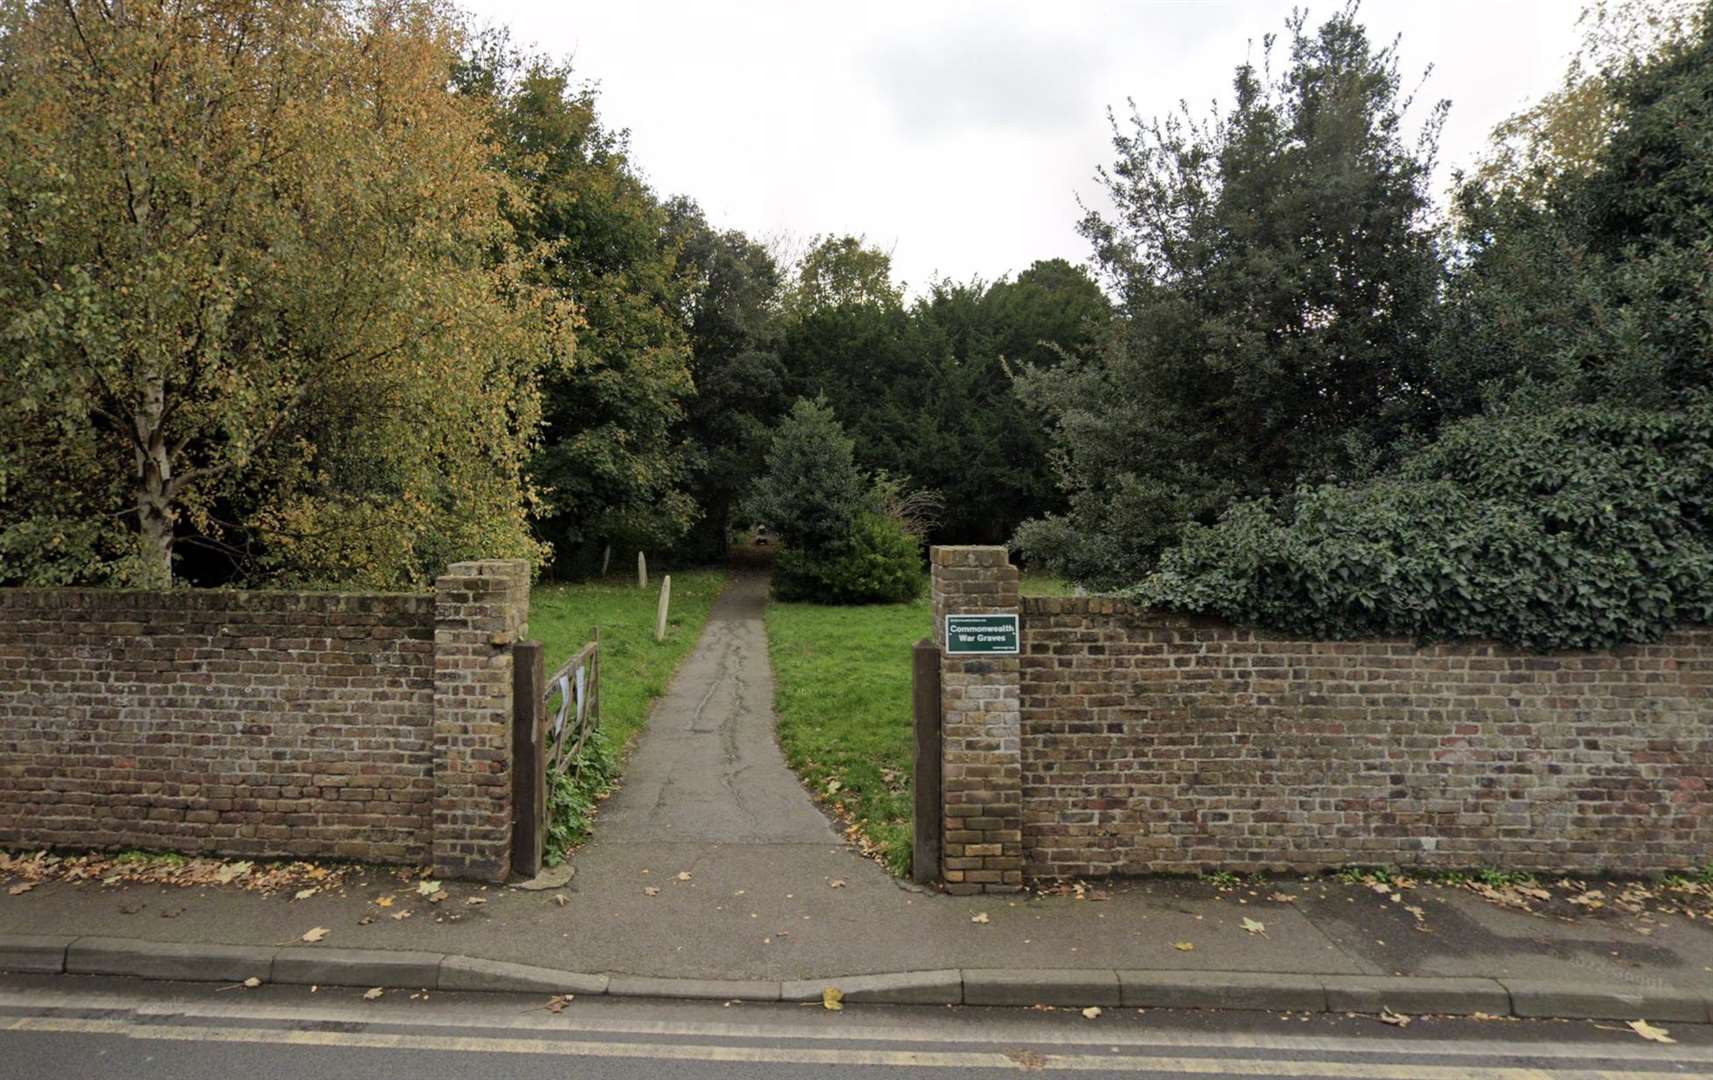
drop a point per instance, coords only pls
(1580, 527)
(259, 298)
(843, 701)
(613, 466)
(877, 563)
(1279, 284)
(812, 493)
(927, 391)
(576, 793)
(731, 290)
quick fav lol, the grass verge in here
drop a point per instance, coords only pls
(842, 696)
(634, 671)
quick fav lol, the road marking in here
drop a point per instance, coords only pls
(1183, 1066)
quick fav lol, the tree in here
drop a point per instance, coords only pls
(250, 296)
(614, 467)
(1568, 506)
(846, 534)
(1595, 286)
(1277, 275)
(812, 492)
(839, 271)
(730, 300)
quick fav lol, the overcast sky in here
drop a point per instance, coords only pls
(960, 136)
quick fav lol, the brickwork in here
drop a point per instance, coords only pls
(480, 608)
(243, 723)
(1155, 743)
(982, 848)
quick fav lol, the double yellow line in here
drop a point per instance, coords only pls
(796, 1055)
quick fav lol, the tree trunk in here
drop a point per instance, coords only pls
(154, 488)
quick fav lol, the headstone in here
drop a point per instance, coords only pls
(641, 570)
(660, 612)
(606, 560)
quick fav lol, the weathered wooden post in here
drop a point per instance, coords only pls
(606, 560)
(929, 816)
(529, 759)
(660, 610)
(641, 570)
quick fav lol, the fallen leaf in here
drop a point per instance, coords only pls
(367, 920)
(832, 999)
(683, 875)
(561, 899)
(21, 888)
(252, 982)
(979, 917)
(1396, 1019)
(651, 890)
(836, 883)
(305, 894)
(475, 901)
(1091, 1013)
(1650, 1033)
(1184, 946)
(435, 898)
(230, 872)
(557, 1003)
(1282, 897)
(372, 993)
(385, 901)
(427, 888)
(316, 934)
(401, 915)
(1255, 927)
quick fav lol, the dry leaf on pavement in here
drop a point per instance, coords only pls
(832, 999)
(979, 917)
(372, 993)
(557, 1003)
(1184, 946)
(21, 888)
(315, 934)
(1255, 927)
(305, 894)
(836, 883)
(1092, 1012)
(385, 901)
(1649, 1032)
(650, 890)
(683, 875)
(1396, 1019)
(252, 982)
(427, 888)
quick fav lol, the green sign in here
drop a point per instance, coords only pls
(968, 635)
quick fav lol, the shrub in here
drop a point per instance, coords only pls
(876, 563)
(1580, 527)
(812, 492)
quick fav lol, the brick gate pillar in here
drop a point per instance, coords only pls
(981, 743)
(480, 612)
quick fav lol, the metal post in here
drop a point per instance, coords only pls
(929, 813)
(529, 759)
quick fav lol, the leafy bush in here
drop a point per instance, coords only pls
(877, 563)
(575, 792)
(812, 492)
(1577, 527)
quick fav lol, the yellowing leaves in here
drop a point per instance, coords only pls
(315, 934)
(832, 999)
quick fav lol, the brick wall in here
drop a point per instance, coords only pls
(242, 723)
(982, 845)
(1158, 743)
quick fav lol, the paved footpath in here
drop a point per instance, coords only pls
(711, 862)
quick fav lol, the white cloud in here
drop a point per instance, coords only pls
(961, 135)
